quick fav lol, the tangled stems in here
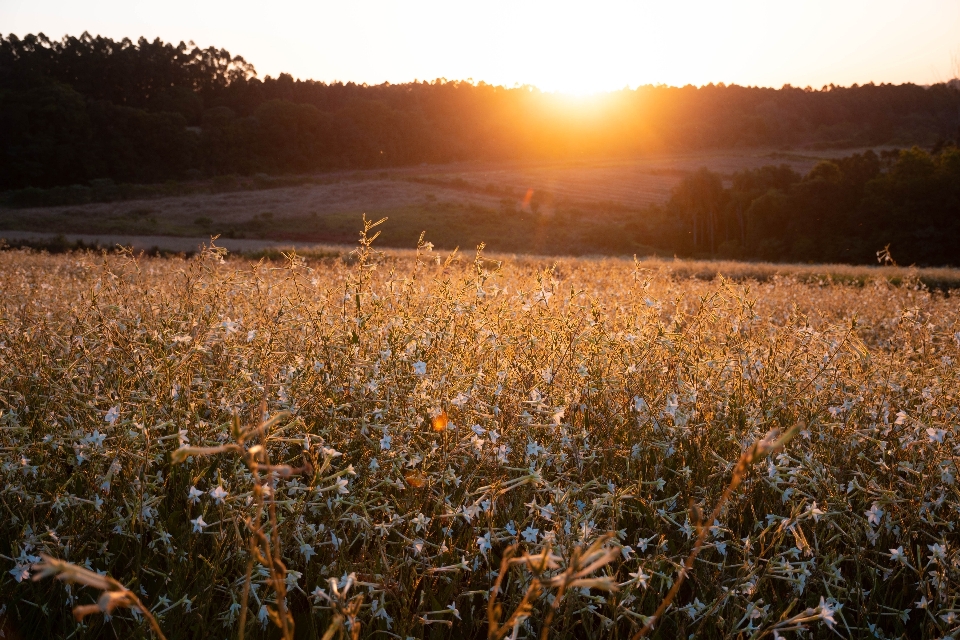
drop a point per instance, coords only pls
(113, 594)
(771, 443)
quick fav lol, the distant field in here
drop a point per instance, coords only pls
(463, 204)
(634, 182)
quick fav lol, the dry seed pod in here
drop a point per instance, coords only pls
(416, 479)
(440, 421)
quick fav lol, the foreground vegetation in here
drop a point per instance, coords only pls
(425, 414)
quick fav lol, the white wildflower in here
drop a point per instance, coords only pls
(825, 613)
(421, 522)
(672, 405)
(640, 577)
(874, 514)
(483, 542)
(218, 494)
(199, 524)
(534, 449)
(815, 512)
(307, 550)
(939, 551)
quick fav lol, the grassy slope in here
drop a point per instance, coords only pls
(581, 207)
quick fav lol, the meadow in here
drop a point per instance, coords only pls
(418, 443)
(575, 208)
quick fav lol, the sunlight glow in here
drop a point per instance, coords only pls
(577, 48)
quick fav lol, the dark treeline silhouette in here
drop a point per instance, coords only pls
(85, 108)
(841, 211)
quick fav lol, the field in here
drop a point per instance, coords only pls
(429, 416)
(578, 206)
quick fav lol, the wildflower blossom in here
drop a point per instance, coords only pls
(874, 514)
(421, 522)
(534, 449)
(530, 534)
(484, 544)
(938, 552)
(815, 512)
(825, 612)
(20, 572)
(640, 577)
(218, 494)
(307, 550)
(672, 405)
(96, 438)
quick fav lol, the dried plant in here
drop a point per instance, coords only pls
(419, 443)
(262, 550)
(546, 576)
(770, 443)
(113, 594)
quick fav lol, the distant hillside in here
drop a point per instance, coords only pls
(86, 108)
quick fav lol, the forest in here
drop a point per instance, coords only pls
(84, 108)
(80, 111)
(848, 210)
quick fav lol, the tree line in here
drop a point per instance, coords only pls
(844, 210)
(84, 108)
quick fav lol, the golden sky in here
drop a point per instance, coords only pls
(558, 46)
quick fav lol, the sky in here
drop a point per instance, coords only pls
(574, 47)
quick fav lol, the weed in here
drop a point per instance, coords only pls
(448, 443)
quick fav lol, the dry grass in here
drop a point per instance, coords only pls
(327, 207)
(582, 414)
